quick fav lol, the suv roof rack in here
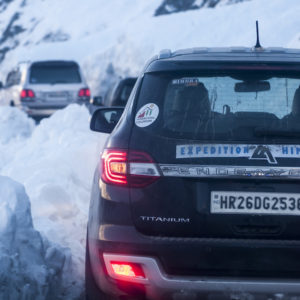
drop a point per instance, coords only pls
(165, 53)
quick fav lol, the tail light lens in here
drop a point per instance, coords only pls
(27, 94)
(114, 167)
(84, 93)
(142, 169)
(127, 269)
(135, 169)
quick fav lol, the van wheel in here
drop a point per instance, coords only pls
(12, 103)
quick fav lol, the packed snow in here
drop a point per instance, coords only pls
(31, 266)
(55, 162)
(43, 217)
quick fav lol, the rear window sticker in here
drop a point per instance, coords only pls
(192, 81)
(146, 115)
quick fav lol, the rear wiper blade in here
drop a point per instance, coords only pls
(276, 132)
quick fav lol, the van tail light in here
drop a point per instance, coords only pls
(134, 169)
(126, 269)
(84, 93)
(27, 94)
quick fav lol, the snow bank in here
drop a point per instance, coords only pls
(14, 124)
(15, 128)
(31, 268)
(55, 161)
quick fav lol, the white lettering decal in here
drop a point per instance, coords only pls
(270, 153)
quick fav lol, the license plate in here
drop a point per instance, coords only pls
(225, 202)
(57, 95)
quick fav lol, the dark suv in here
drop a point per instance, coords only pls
(117, 95)
(197, 193)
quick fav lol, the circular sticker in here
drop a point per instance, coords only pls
(146, 115)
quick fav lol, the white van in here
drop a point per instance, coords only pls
(40, 88)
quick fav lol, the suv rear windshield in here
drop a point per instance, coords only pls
(253, 105)
(54, 73)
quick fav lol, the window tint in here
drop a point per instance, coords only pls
(110, 94)
(13, 78)
(56, 73)
(233, 106)
(125, 93)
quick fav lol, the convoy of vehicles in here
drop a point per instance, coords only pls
(196, 195)
(197, 192)
(40, 88)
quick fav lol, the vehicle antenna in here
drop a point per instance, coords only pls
(258, 45)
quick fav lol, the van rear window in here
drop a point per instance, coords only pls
(54, 73)
(238, 105)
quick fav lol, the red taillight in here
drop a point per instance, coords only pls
(30, 93)
(84, 93)
(27, 94)
(114, 167)
(127, 269)
(136, 169)
(23, 94)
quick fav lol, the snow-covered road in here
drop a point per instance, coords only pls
(55, 162)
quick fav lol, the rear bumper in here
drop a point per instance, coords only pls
(159, 285)
(158, 256)
(40, 112)
(45, 109)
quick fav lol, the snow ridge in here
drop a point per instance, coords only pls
(55, 162)
(31, 267)
(175, 6)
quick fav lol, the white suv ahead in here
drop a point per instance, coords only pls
(40, 88)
